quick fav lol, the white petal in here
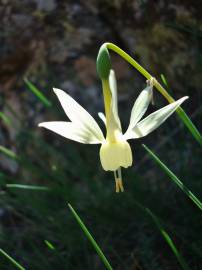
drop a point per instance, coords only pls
(154, 120)
(72, 131)
(78, 115)
(140, 106)
(102, 117)
(114, 121)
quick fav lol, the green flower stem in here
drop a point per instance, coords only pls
(187, 121)
(143, 71)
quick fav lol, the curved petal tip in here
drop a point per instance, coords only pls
(56, 90)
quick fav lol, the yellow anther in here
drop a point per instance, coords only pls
(119, 185)
(118, 181)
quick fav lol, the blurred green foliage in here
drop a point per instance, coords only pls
(31, 218)
(36, 227)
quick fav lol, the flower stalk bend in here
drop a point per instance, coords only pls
(115, 151)
(184, 117)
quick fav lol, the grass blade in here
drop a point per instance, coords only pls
(168, 239)
(163, 78)
(12, 260)
(5, 119)
(29, 187)
(165, 235)
(8, 153)
(49, 245)
(190, 125)
(185, 118)
(37, 92)
(91, 239)
(174, 178)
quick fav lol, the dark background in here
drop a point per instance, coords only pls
(55, 44)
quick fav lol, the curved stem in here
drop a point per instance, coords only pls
(187, 121)
(143, 71)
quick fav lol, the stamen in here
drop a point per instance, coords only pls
(118, 180)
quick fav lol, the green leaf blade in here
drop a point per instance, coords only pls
(163, 78)
(27, 187)
(9, 153)
(168, 239)
(49, 245)
(91, 239)
(37, 93)
(14, 262)
(5, 119)
(174, 178)
(190, 125)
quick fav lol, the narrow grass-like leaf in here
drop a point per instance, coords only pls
(49, 245)
(37, 92)
(29, 187)
(185, 118)
(174, 178)
(26, 162)
(164, 80)
(12, 260)
(169, 241)
(91, 239)
(165, 235)
(8, 152)
(5, 118)
(190, 125)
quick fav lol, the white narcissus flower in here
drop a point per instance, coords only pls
(115, 151)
